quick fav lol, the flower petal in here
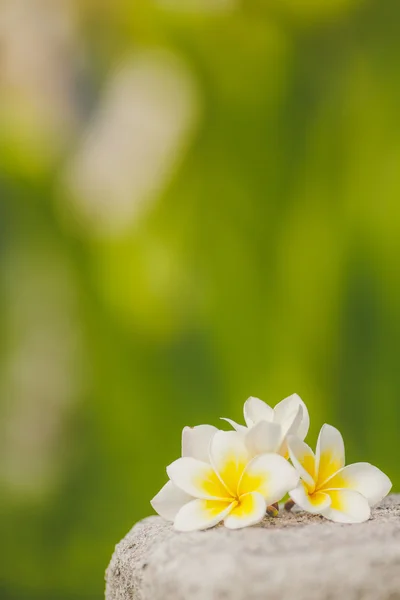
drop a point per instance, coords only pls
(347, 506)
(201, 514)
(312, 503)
(239, 428)
(303, 460)
(229, 457)
(329, 454)
(196, 441)
(256, 410)
(197, 479)
(293, 427)
(169, 501)
(250, 510)
(285, 413)
(270, 475)
(364, 478)
(263, 438)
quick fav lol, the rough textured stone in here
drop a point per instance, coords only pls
(294, 556)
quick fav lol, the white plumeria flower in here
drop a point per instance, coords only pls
(230, 486)
(195, 444)
(267, 428)
(327, 487)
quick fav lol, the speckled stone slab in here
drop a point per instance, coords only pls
(295, 556)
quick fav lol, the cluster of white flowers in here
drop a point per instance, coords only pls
(235, 476)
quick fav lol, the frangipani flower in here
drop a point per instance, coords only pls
(267, 428)
(195, 444)
(327, 487)
(230, 486)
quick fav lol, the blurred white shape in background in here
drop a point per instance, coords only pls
(137, 136)
(42, 370)
(37, 76)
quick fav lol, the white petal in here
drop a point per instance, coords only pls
(250, 510)
(304, 426)
(270, 475)
(312, 503)
(169, 501)
(239, 428)
(256, 410)
(196, 441)
(364, 478)
(329, 454)
(197, 478)
(263, 437)
(347, 506)
(229, 457)
(285, 413)
(296, 423)
(290, 428)
(201, 514)
(303, 460)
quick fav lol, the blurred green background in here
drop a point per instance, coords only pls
(199, 203)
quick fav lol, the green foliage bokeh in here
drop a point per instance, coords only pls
(267, 264)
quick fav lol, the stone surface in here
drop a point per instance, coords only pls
(294, 556)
